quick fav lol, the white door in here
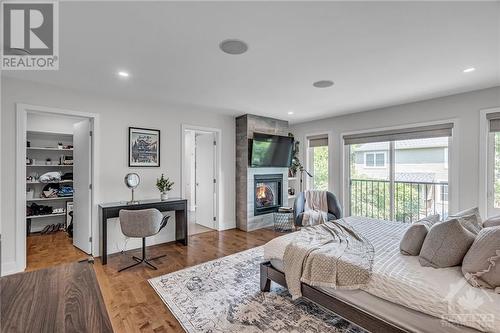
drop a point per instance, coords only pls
(205, 179)
(82, 204)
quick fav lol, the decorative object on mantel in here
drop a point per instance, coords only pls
(132, 180)
(143, 147)
(240, 307)
(164, 185)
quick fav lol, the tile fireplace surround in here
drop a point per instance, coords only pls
(246, 125)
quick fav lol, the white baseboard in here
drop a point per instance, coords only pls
(10, 267)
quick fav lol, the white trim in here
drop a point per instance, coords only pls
(453, 171)
(218, 175)
(22, 111)
(305, 155)
(485, 168)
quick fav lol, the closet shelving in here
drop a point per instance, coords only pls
(43, 146)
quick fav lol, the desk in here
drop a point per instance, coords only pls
(65, 298)
(111, 210)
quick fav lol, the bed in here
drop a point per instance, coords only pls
(401, 295)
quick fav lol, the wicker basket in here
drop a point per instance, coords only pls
(283, 221)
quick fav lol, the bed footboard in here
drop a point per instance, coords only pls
(345, 310)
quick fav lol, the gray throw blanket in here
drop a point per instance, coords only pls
(330, 255)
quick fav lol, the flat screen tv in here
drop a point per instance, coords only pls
(271, 151)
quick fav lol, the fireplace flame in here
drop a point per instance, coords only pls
(261, 191)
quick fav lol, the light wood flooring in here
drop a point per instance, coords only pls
(132, 304)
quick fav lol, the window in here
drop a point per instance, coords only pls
(318, 162)
(493, 163)
(375, 160)
(400, 175)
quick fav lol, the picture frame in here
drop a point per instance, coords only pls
(143, 147)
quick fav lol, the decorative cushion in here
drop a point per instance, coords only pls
(446, 245)
(481, 265)
(470, 219)
(493, 221)
(414, 237)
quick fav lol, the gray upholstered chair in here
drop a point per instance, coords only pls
(334, 209)
(141, 224)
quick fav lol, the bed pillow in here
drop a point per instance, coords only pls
(493, 221)
(445, 245)
(470, 219)
(414, 237)
(481, 265)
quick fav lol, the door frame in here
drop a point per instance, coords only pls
(184, 180)
(22, 111)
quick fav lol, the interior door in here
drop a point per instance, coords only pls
(205, 176)
(82, 196)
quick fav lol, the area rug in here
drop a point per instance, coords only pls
(223, 295)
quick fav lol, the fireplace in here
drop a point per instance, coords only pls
(267, 193)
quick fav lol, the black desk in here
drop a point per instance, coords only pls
(110, 210)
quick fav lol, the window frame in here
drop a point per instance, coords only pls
(309, 159)
(453, 159)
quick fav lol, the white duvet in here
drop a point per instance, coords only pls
(443, 293)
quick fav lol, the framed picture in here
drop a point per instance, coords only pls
(143, 147)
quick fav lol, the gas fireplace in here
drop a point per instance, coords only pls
(268, 193)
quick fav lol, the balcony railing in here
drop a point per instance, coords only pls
(412, 200)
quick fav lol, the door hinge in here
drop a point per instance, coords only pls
(215, 181)
(215, 143)
(90, 239)
(215, 219)
(90, 133)
(90, 186)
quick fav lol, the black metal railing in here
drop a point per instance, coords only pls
(412, 200)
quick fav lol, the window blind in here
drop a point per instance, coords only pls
(494, 121)
(318, 140)
(419, 132)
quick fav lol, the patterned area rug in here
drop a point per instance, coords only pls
(223, 295)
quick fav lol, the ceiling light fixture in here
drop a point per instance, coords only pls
(469, 70)
(290, 112)
(323, 84)
(123, 74)
(233, 46)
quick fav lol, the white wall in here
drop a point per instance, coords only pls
(463, 107)
(48, 123)
(115, 117)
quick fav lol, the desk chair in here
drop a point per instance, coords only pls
(141, 224)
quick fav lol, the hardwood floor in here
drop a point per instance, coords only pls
(132, 304)
(47, 250)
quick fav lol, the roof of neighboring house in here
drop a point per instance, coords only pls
(405, 144)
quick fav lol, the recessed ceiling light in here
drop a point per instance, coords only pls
(470, 69)
(323, 84)
(123, 74)
(233, 46)
(290, 112)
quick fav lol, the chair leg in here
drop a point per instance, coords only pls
(143, 259)
(133, 265)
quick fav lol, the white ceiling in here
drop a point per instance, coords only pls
(378, 54)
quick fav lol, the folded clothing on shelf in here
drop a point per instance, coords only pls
(65, 191)
(50, 177)
(35, 209)
(67, 176)
(50, 190)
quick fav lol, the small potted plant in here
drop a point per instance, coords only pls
(164, 185)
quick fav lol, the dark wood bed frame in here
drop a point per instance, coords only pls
(345, 310)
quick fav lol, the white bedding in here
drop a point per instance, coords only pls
(442, 293)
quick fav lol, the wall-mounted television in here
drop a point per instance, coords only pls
(270, 151)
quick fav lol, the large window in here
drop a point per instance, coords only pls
(493, 163)
(318, 162)
(399, 175)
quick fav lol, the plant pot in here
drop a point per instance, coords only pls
(164, 196)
